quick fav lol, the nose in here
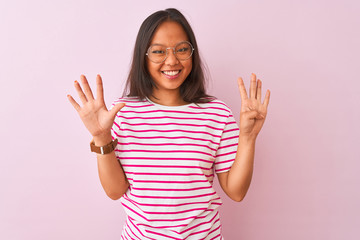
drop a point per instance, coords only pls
(171, 57)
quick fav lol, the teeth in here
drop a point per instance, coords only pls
(171, 73)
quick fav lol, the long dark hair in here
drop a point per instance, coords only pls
(139, 82)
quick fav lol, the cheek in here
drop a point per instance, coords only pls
(152, 67)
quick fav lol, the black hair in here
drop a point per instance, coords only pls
(139, 82)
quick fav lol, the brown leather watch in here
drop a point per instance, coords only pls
(108, 148)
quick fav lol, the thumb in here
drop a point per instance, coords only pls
(116, 108)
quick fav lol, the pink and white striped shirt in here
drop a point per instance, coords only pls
(169, 155)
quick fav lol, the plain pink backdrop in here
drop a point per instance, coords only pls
(305, 183)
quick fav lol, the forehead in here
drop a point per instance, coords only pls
(169, 34)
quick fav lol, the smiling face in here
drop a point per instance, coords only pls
(170, 74)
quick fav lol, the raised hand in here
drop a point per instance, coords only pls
(253, 112)
(94, 114)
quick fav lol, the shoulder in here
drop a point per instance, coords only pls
(127, 100)
(130, 101)
(216, 105)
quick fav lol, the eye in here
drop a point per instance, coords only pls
(184, 49)
(157, 52)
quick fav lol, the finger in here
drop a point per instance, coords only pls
(267, 98)
(74, 103)
(253, 86)
(87, 89)
(99, 88)
(242, 89)
(258, 91)
(116, 109)
(80, 92)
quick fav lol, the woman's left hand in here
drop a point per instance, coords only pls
(253, 112)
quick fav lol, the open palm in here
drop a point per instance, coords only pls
(253, 112)
(94, 114)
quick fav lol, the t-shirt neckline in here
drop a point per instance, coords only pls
(170, 107)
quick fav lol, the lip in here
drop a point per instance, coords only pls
(171, 76)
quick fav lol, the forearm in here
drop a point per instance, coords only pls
(240, 174)
(111, 174)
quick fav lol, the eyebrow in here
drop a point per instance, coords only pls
(165, 45)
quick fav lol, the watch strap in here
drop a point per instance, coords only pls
(108, 148)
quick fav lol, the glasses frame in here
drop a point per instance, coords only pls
(173, 48)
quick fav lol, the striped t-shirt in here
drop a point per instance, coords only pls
(169, 155)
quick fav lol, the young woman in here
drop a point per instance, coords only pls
(160, 145)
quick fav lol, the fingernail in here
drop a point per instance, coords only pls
(75, 81)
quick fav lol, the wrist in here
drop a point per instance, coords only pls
(103, 139)
(247, 138)
(103, 146)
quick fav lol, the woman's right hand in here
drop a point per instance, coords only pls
(94, 114)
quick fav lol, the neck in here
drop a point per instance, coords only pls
(167, 98)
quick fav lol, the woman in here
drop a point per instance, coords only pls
(159, 146)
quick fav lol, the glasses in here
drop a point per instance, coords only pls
(158, 53)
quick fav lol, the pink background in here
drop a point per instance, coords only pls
(305, 184)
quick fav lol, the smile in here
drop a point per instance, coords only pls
(171, 73)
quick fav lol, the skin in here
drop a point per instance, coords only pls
(236, 182)
(168, 90)
(99, 120)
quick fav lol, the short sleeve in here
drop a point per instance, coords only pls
(115, 129)
(226, 152)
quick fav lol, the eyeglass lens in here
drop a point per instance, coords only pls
(158, 53)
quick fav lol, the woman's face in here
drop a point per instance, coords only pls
(170, 74)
